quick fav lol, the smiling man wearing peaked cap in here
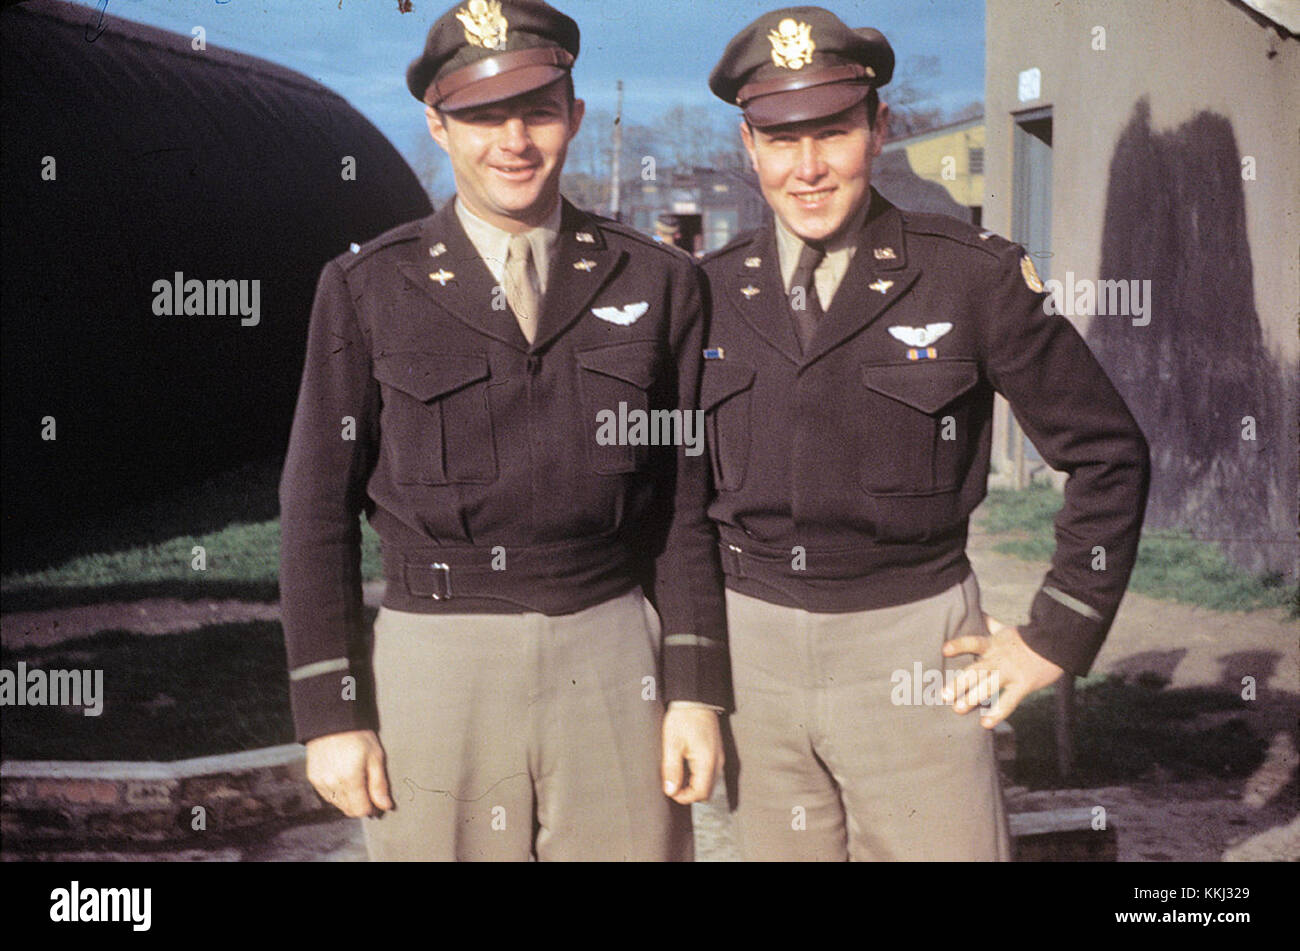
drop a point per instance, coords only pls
(457, 369)
(854, 350)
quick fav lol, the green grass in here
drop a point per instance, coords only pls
(1124, 731)
(1170, 565)
(148, 550)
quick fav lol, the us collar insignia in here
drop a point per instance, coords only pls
(442, 276)
(1030, 275)
(584, 265)
(485, 24)
(585, 237)
(884, 254)
(753, 262)
(918, 339)
(437, 250)
(882, 286)
(749, 291)
(792, 44)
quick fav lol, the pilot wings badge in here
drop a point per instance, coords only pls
(792, 44)
(623, 316)
(918, 339)
(485, 24)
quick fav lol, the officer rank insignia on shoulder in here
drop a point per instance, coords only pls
(1030, 274)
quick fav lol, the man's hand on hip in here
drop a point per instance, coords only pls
(1005, 663)
(691, 735)
(349, 771)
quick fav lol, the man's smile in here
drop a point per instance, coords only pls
(516, 171)
(813, 198)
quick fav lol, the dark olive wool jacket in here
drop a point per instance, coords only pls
(475, 455)
(846, 476)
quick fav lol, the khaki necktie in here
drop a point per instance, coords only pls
(521, 285)
(806, 317)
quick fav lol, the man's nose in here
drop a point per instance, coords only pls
(514, 136)
(811, 167)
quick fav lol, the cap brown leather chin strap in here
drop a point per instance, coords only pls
(834, 74)
(491, 66)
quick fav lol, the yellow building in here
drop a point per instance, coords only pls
(951, 156)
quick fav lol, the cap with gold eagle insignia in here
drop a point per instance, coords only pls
(800, 63)
(484, 51)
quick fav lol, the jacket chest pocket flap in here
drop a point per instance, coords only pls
(610, 375)
(436, 422)
(725, 394)
(919, 432)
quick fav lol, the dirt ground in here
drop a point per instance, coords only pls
(1157, 819)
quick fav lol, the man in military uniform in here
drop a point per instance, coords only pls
(668, 230)
(457, 368)
(854, 351)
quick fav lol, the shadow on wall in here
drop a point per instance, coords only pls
(1198, 373)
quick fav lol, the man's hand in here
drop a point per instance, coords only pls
(349, 771)
(1005, 663)
(692, 734)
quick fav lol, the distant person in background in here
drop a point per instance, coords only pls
(668, 230)
(854, 350)
(457, 371)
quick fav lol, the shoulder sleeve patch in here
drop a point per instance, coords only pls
(1030, 274)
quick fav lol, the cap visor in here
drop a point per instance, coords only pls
(504, 86)
(800, 105)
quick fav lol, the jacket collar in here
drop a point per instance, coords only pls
(446, 266)
(878, 275)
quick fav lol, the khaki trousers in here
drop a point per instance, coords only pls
(837, 760)
(513, 736)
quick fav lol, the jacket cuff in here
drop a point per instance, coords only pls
(697, 668)
(320, 696)
(694, 705)
(1064, 630)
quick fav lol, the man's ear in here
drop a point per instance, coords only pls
(881, 132)
(576, 112)
(437, 128)
(747, 137)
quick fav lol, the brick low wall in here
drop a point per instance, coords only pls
(195, 802)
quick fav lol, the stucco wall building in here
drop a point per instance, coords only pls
(1156, 146)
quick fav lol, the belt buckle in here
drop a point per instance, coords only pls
(443, 572)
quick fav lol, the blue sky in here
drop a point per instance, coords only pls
(661, 49)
